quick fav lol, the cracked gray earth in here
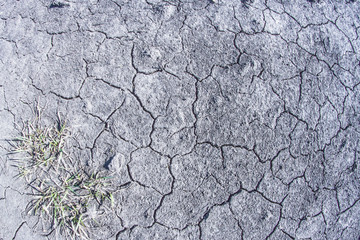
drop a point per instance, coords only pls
(222, 119)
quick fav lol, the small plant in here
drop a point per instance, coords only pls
(62, 191)
(42, 147)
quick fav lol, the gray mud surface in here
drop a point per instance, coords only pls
(222, 119)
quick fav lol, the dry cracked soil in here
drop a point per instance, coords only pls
(220, 119)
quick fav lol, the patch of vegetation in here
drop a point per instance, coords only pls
(66, 197)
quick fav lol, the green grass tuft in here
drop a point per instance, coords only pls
(62, 193)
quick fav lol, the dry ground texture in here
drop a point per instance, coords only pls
(179, 119)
